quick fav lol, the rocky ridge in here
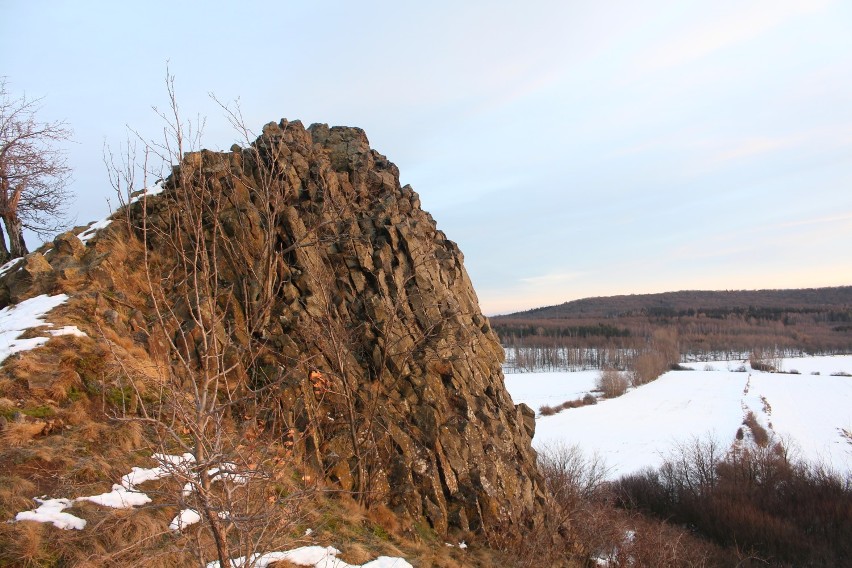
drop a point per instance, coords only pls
(341, 288)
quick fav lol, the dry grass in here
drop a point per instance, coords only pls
(385, 518)
(17, 434)
(22, 544)
(15, 495)
(356, 553)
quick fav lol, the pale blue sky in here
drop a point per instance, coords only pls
(572, 149)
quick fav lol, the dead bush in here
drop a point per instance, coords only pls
(646, 367)
(612, 383)
(753, 499)
(569, 473)
(599, 533)
(547, 410)
(768, 361)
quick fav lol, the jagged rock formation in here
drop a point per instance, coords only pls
(338, 290)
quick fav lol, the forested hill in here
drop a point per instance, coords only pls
(707, 324)
(690, 302)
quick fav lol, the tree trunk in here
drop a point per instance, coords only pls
(15, 229)
(4, 252)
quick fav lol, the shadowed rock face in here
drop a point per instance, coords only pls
(373, 321)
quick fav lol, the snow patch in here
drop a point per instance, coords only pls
(50, 511)
(93, 229)
(9, 265)
(123, 496)
(318, 556)
(67, 330)
(184, 519)
(15, 320)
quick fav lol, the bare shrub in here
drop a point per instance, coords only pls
(754, 501)
(646, 367)
(612, 383)
(568, 472)
(547, 410)
(600, 534)
(768, 361)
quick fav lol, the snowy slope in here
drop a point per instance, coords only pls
(641, 427)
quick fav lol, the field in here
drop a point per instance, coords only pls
(811, 412)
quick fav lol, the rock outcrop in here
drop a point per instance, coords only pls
(387, 377)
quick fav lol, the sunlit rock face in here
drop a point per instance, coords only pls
(387, 377)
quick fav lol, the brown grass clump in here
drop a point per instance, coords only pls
(385, 518)
(356, 553)
(284, 564)
(7, 407)
(15, 495)
(22, 544)
(128, 435)
(17, 434)
(94, 432)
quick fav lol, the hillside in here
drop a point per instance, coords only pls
(696, 301)
(708, 323)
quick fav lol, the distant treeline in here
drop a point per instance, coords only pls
(812, 321)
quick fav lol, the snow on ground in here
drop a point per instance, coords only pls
(9, 265)
(550, 388)
(319, 556)
(50, 511)
(14, 320)
(123, 496)
(127, 495)
(641, 427)
(67, 330)
(822, 364)
(93, 228)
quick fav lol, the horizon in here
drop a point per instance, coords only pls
(572, 151)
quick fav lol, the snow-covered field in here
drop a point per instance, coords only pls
(550, 388)
(812, 413)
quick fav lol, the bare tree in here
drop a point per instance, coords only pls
(218, 369)
(33, 172)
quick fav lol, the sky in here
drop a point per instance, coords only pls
(571, 148)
